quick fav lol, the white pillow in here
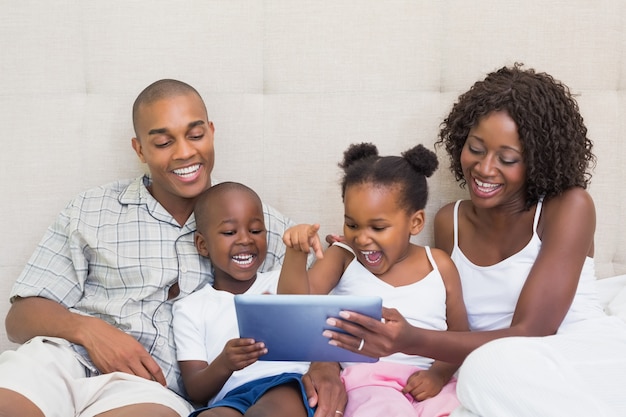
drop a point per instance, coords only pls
(617, 305)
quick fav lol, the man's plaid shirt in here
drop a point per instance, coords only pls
(114, 252)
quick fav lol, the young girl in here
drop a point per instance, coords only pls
(384, 200)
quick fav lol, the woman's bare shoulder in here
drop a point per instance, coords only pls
(575, 201)
(444, 227)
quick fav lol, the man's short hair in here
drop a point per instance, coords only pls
(159, 90)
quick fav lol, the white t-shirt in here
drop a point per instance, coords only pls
(205, 320)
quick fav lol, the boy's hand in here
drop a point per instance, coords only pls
(423, 385)
(303, 237)
(239, 353)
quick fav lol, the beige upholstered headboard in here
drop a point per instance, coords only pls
(289, 84)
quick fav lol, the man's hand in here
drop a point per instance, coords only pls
(109, 348)
(112, 350)
(325, 389)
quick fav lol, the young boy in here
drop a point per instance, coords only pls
(219, 367)
(100, 286)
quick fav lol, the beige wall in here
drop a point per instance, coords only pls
(289, 84)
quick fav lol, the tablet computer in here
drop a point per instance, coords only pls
(291, 326)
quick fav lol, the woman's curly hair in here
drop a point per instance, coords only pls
(557, 153)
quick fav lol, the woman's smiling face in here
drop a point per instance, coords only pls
(493, 163)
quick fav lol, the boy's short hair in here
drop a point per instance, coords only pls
(210, 195)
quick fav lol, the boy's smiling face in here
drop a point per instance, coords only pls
(234, 239)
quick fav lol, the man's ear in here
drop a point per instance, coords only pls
(136, 143)
(417, 222)
(201, 244)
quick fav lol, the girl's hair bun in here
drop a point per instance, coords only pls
(357, 152)
(423, 160)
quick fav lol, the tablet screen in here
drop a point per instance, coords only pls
(291, 326)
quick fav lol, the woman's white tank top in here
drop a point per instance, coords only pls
(491, 292)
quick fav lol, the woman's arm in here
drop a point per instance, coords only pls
(566, 229)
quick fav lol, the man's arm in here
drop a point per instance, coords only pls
(109, 348)
(36, 316)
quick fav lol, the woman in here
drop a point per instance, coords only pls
(523, 243)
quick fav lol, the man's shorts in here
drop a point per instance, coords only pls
(49, 372)
(245, 396)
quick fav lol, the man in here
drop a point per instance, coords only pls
(100, 286)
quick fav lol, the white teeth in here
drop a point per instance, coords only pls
(243, 259)
(368, 253)
(187, 171)
(485, 184)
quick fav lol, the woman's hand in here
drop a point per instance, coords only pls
(379, 337)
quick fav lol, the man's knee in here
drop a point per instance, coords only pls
(13, 404)
(152, 410)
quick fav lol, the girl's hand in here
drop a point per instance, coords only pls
(303, 237)
(423, 385)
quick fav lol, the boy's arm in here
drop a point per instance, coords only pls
(204, 381)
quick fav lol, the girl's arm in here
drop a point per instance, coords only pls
(456, 314)
(325, 273)
(299, 240)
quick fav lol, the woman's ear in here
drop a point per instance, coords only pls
(417, 222)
